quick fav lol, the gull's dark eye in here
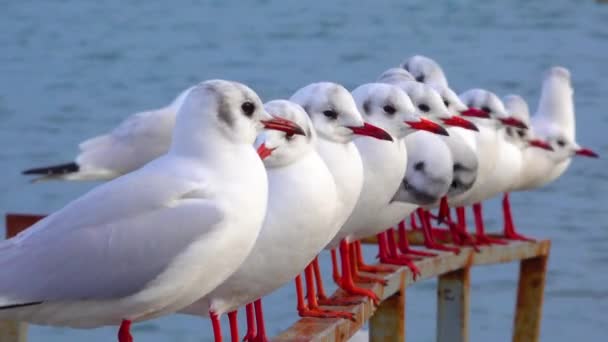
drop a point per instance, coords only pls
(446, 103)
(332, 114)
(521, 133)
(420, 78)
(486, 109)
(419, 166)
(389, 109)
(458, 167)
(424, 107)
(248, 108)
(561, 142)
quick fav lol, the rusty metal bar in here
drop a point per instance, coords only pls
(453, 306)
(308, 329)
(388, 323)
(530, 290)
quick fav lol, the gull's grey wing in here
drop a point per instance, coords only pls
(109, 243)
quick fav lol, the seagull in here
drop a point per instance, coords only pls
(140, 138)
(384, 163)
(430, 103)
(488, 149)
(337, 121)
(152, 241)
(301, 201)
(552, 129)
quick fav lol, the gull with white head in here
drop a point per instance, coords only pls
(301, 201)
(153, 241)
(337, 120)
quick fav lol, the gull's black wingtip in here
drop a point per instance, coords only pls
(20, 305)
(53, 170)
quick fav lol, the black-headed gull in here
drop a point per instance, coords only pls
(337, 121)
(153, 241)
(301, 202)
(137, 140)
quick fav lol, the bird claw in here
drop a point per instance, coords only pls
(487, 240)
(375, 268)
(338, 301)
(517, 236)
(369, 280)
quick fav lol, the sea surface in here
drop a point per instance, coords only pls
(70, 70)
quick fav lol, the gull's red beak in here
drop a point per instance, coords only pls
(427, 125)
(475, 113)
(264, 152)
(540, 144)
(283, 125)
(371, 131)
(511, 121)
(587, 153)
(444, 210)
(460, 122)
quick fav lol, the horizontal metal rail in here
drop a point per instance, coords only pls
(387, 321)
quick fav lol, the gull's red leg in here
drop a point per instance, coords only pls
(481, 237)
(124, 332)
(234, 325)
(359, 278)
(459, 234)
(404, 244)
(249, 310)
(382, 245)
(217, 327)
(347, 284)
(313, 309)
(360, 262)
(395, 259)
(259, 318)
(321, 294)
(509, 228)
(428, 237)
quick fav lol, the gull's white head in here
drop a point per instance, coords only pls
(389, 108)
(222, 110)
(429, 170)
(491, 104)
(334, 113)
(279, 149)
(394, 75)
(425, 70)
(430, 104)
(557, 137)
(517, 107)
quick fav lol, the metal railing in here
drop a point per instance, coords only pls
(387, 321)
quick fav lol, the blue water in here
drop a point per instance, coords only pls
(70, 70)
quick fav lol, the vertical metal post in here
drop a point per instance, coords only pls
(11, 331)
(388, 322)
(453, 306)
(530, 290)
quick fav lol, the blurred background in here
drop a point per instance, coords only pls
(70, 70)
